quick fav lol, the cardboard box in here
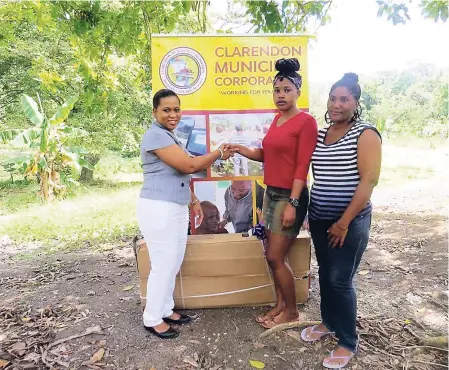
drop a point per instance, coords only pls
(228, 270)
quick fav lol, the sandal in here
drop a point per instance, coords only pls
(268, 324)
(260, 320)
(307, 332)
(329, 365)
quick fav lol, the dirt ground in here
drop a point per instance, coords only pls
(402, 278)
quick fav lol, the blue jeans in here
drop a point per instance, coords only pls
(337, 267)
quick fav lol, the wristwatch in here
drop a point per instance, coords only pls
(294, 202)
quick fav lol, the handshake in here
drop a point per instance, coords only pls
(228, 150)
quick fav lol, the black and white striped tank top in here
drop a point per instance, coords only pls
(336, 174)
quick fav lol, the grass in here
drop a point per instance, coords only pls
(102, 214)
(416, 161)
(96, 214)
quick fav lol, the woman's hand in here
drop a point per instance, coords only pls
(259, 215)
(289, 216)
(337, 235)
(198, 212)
(234, 148)
(226, 152)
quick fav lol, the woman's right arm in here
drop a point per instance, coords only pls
(256, 154)
(175, 157)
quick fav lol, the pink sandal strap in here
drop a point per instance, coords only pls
(327, 361)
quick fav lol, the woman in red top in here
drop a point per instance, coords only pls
(286, 152)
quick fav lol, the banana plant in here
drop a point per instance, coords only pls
(50, 157)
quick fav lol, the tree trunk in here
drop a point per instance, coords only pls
(86, 174)
(44, 186)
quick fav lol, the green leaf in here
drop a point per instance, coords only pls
(284, 4)
(77, 150)
(9, 135)
(43, 163)
(186, 6)
(31, 110)
(73, 131)
(77, 160)
(257, 364)
(27, 137)
(16, 164)
(44, 137)
(63, 111)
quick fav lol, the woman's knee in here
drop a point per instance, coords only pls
(275, 260)
(339, 281)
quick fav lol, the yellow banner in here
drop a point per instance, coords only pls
(225, 72)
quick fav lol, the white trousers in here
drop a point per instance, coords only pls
(164, 227)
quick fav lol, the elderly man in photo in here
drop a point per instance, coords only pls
(239, 206)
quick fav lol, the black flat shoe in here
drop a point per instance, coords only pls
(170, 333)
(184, 319)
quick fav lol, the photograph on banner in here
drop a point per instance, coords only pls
(191, 131)
(247, 129)
(228, 205)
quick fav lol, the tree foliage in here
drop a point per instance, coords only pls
(286, 16)
(100, 50)
(398, 12)
(49, 157)
(413, 101)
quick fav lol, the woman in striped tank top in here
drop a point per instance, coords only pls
(346, 167)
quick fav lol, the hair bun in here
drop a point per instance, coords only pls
(352, 77)
(287, 65)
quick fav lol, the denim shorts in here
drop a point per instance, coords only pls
(274, 203)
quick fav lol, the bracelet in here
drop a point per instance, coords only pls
(194, 202)
(340, 226)
(221, 153)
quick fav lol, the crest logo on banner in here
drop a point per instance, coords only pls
(183, 70)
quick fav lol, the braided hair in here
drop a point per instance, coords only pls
(351, 82)
(287, 68)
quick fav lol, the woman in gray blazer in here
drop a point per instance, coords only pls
(163, 209)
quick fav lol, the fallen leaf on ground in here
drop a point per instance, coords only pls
(294, 334)
(128, 287)
(3, 363)
(34, 357)
(19, 348)
(364, 272)
(3, 337)
(257, 364)
(95, 358)
(189, 360)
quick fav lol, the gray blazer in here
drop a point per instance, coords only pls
(160, 181)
